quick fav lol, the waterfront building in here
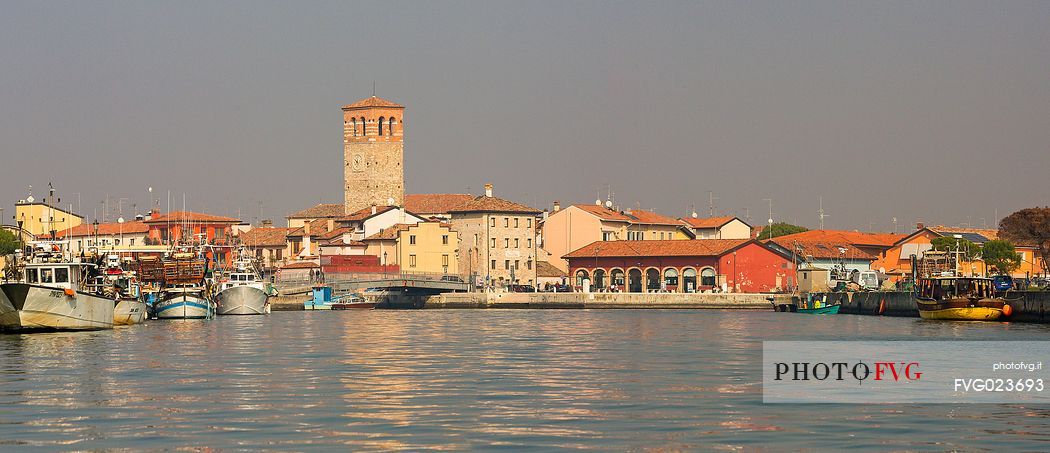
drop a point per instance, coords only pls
(189, 227)
(565, 230)
(102, 237)
(327, 211)
(373, 154)
(548, 274)
(270, 245)
(496, 239)
(727, 227)
(856, 243)
(813, 255)
(39, 218)
(898, 256)
(737, 265)
(427, 247)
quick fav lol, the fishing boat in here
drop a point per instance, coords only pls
(960, 298)
(184, 294)
(352, 302)
(242, 290)
(121, 285)
(52, 294)
(808, 304)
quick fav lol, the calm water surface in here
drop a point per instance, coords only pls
(539, 379)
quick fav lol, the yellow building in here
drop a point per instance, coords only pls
(39, 219)
(428, 247)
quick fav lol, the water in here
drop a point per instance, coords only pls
(469, 379)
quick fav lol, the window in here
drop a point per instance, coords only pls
(528, 222)
(707, 277)
(493, 240)
(492, 221)
(411, 260)
(506, 222)
(606, 235)
(47, 276)
(661, 235)
(528, 243)
(515, 222)
(80, 244)
(444, 260)
(132, 242)
(528, 265)
(506, 264)
(279, 253)
(516, 243)
(506, 243)
(444, 239)
(31, 276)
(475, 239)
(493, 265)
(599, 278)
(381, 125)
(618, 278)
(62, 275)
(671, 277)
(364, 130)
(411, 239)
(116, 242)
(517, 264)
(390, 126)
(581, 275)
(354, 122)
(689, 279)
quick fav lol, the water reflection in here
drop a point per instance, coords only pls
(383, 380)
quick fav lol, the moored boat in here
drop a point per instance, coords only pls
(352, 302)
(960, 298)
(52, 295)
(123, 287)
(242, 290)
(183, 301)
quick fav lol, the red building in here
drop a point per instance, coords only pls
(737, 265)
(190, 228)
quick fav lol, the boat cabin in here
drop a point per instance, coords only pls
(947, 288)
(57, 275)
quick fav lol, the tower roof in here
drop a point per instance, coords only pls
(371, 102)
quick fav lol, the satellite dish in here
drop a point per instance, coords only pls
(151, 189)
(30, 199)
(598, 202)
(120, 220)
(608, 204)
(694, 214)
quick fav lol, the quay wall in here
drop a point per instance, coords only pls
(737, 301)
(1028, 306)
(288, 303)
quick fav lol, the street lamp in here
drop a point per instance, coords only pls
(95, 226)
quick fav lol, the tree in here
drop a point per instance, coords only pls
(967, 250)
(1001, 256)
(8, 242)
(1030, 226)
(781, 229)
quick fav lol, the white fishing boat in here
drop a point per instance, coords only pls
(53, 294)
(123, 286)
(184, 295)
(242, 291)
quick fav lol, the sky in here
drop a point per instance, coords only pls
(932, 111)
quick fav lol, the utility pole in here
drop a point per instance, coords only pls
(769, 221)
(711, 203)
(894, 225)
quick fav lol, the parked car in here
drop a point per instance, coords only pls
(521, 289)
(1003, 282)
(451, 278)
(561, 289)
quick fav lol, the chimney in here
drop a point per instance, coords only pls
(557, 205)
(488, 190)
(546, 214)
(919, 226)
(267, 223)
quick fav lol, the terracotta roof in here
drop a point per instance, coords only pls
(708, 222)
(318, 227)
(651, 218)
(323, 210)
(338, 242)
(698, 247)
(265, 237)
(842, 237)
(824, 250)
(946, 231)
(104, 229)
(186, 216)
(336, 233)
(603, 212)
(364, 214)
(494, 204)
(373, 102)
(389, 233)
(545, 269)
(435, 203)
(301, 265)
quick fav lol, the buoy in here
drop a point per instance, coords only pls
(882, 306)
(70, 292)
(1007, 310)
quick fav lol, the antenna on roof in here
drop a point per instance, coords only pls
(711, 203)
(373, 88)
(820, 213)
(692, 208)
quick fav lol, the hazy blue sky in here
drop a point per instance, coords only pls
(927, 110)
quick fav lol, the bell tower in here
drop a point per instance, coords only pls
(373, 154)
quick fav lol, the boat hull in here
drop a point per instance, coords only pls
(353, 305)
(183, 306)
(242, 300)
(825, 310)
(961, 309)
(129, 311)
(32, 307)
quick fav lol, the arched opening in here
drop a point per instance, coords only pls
(652, 279)
(380, 126)
(617, 280)
(635, 277)
(354, 122)
(581, 275)
(689, 280)
(390, 127)
(599, 279)
(707, 277)
(364, 129)
(671, 279)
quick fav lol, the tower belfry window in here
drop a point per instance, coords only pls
(390, 127)
(364, 129)
(354, 121)
(381, 126)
